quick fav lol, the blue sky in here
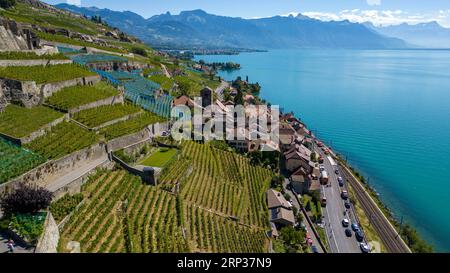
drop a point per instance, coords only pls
(384, 12)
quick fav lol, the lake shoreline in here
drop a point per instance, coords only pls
(393, 215)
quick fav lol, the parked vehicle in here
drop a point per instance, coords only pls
(347, 204)
(355, 227)
(324, 178)
(315, 249)
(345, 223)
(359, 236)
(321, 160)
(344, 195)
(341, 182)
(321, 168)
(336, 171)
(364, 248)
(348, 232)
(323, 202)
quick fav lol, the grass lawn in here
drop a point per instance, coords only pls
(159, 158)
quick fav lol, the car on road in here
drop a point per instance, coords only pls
(341, 181)
(336, 171)
(347, 204)
(321, 160)
(344, 195)
(315, 249)
(364, 248)
(359, 236)
(348, 232)
(355, 227)
(345, 223)
(323, 202)
(321, 168)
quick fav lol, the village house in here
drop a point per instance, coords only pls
(183, 100)
(303, 182)
(299, 156)
(249, 99)
(280, 210)
(287, 136)
(241, 140)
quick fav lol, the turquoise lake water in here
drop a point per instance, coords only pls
(387, 111)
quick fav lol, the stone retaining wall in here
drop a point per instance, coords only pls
(55, 168)
(48, 243)
(125, 141)
(48, 89)
(6, 63)
(75, 186)
(109, 123)
(108, 101)
(158, 128)
(30, 93)
(42, 131)
(147, 174)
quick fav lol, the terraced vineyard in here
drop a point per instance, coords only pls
(67, 40)
(120, 214)
(176, 172)
(17, 55)
(100, 115)
(163, 81)
(63, 139)
(45, 74)
(208, 232)
(75, 96)
(16, 160)
(42, 17)
(130, 126)
(225, 182)
(19, 121)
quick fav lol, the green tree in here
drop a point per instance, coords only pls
(239, 99)
(184, 88)
(139, 50)
(293, 239)
(6, 4)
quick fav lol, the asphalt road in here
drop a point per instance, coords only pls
(18, 248)
(334, 214)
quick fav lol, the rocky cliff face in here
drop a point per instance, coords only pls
(14, 38)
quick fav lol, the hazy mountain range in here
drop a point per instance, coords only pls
(429, 35)
(199, 29)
